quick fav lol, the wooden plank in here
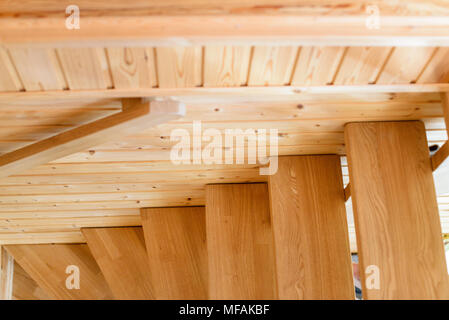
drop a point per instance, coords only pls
(121, 255)
(347, 192)
(226, 66)
(272, 66)
(268, 22)
(317, 65)
(39, 69)
(440, 156)
(47, 265)
(362, 65)
(6, 274)
(9, 80)
(239, 242)
(85, 68)
(176, 244)
(138, 116)
(394, 197)
(436, 71)
(403, 67)
(310, 230)
(25, 288)
(132, 67)
(179, 66)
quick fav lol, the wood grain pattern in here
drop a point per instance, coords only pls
(9, 80)
(179, 66)
(121, 255)
(132, 67)
(272, 66)
(135, 117)
(405, 67)
(362, 65)
(47, 263)
(226, 66)
(317, 65)
(395, 210)
(25, 288)
(310, 229)
(85, 68)
(176, 244)
(6, 275)
(239, 242)
(436, 71)
(38, 68)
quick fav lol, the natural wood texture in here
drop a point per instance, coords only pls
(139, 116)
(6, 274)
(306, 22)
(440, 156)
(272, 66)
(226, 66)
(395, 210)
(436, 71)
(25, 288)
(347, 192)
(9, 80)
(310, 230)
(362, 65)
(47, 263)
(317, 65)
(132, 67)
(239, 242)
(445, 105)
(121, 255)
(176, 244)
(179, 66)
(39, 69)
(404, 67)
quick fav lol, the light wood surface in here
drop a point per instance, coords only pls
(310, 229)
(395, 211)
(25, 288)
(6, 275)
(239, 242)
(47, 263)
(121, 255)
(132, 119)
(176, 244)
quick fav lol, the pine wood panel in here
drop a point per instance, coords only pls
(176, 244)
(317, 65)
(239, 242)
(272, 65)
(405, 65)
(6, 274)
(395, 210)
(310, 229)
(179, 66)
(47, 263)
(9, 80)
(226, 65)
(362, 65)
(25, 288)
(85, 68)
(38, 68)
(132, 67)
(122, 257)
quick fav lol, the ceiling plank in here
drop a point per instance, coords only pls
(135, 117)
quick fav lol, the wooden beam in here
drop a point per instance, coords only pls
(234, 22)
(6, 274)
(216, 94)
(313, 260)
(136, 116)
(440, 156)
(121, 255)
(176, 244)
(347, 191)
(48, 265)
(395, 210)
(239, 242)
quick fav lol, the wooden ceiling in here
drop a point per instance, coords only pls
(51, 82)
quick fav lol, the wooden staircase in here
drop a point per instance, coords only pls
(285, 239)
